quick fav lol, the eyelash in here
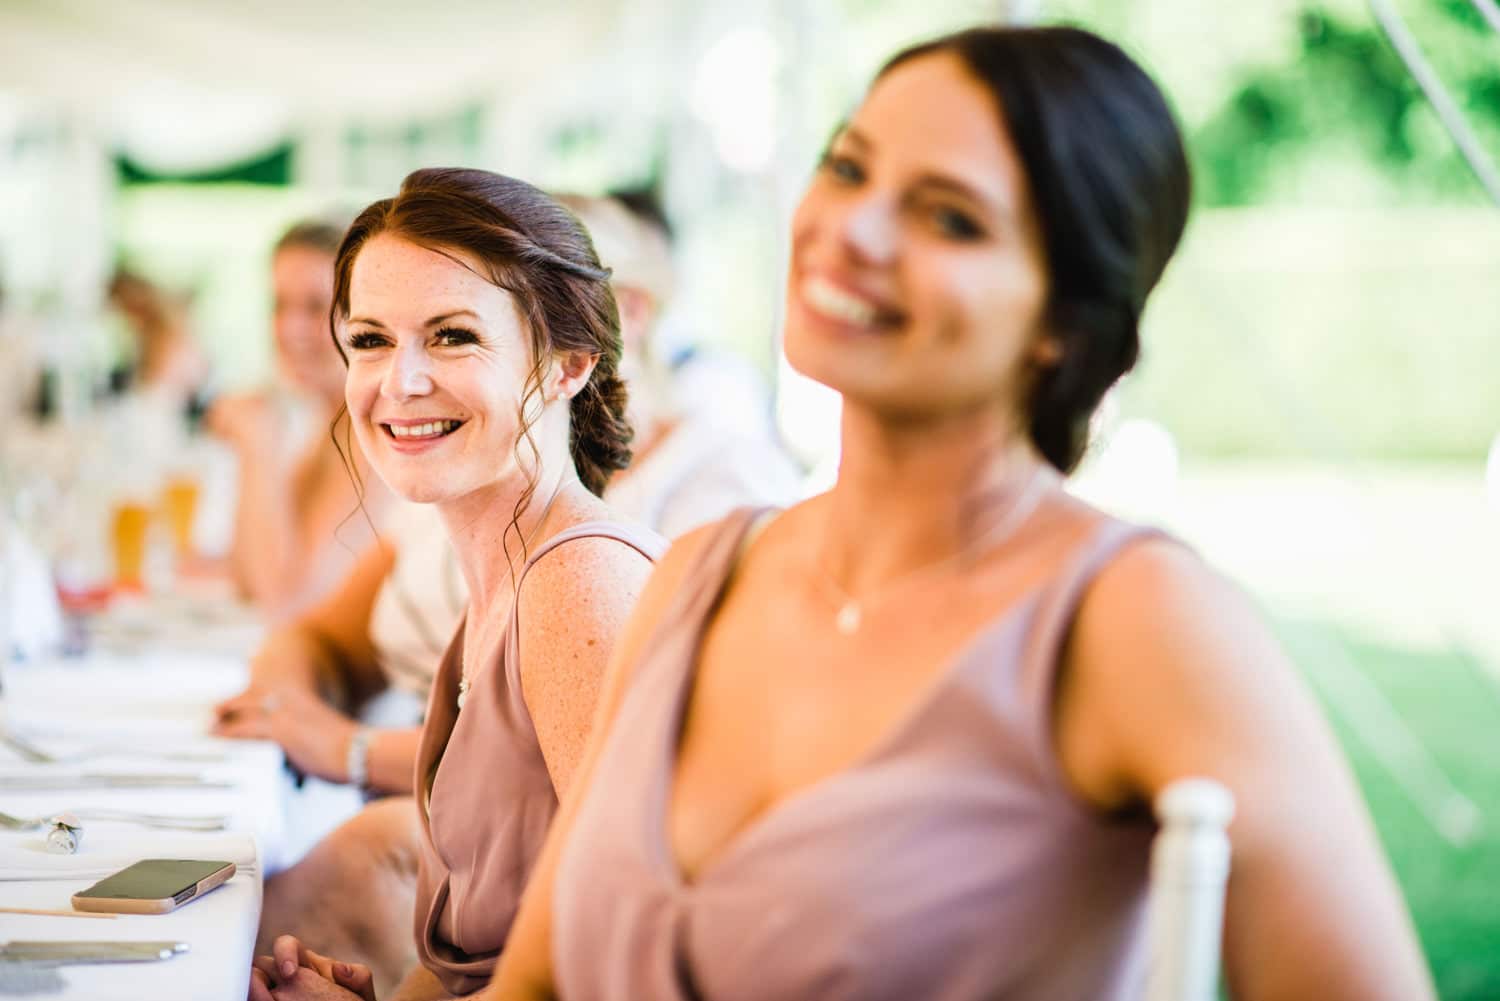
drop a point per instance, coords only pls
(950, 222)
(842, 168)
(444, 336)
(365, 341)
(955, 224)
(456, 336)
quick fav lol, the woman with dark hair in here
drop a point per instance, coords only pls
(900, 741)
(482, 341)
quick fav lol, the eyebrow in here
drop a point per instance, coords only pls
(440, 318)
(849, 132)
(952, 185)
(941, 182)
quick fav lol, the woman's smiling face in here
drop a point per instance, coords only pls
(918, 281)
(438, 362)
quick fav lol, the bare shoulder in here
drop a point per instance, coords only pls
(1156, 567)
(1159, 592)
(584, 572)
(1171, 670)
(571, 611)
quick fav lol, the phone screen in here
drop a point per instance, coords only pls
(154, 879)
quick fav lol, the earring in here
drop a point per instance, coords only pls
(1047, 352)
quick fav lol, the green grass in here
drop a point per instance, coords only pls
(1454, 710)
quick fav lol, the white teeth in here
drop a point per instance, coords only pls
(830, 300)
(422, 430)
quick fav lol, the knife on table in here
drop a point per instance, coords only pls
(109, 780)
(67, 953)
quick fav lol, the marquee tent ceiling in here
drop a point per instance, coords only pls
(229, 77)
(374, 54)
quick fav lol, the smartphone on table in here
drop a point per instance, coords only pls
(153, 886)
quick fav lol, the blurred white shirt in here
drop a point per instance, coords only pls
(700, 472)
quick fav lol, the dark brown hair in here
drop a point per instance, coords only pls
(1109, 179)
(529, 245)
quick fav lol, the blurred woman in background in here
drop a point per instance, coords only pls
(689, 467)
(169, 364)
(300, 522)
(901, 740)
(364, 654)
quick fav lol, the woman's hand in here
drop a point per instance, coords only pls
(314, 735)
(295, 973)
(248, 423)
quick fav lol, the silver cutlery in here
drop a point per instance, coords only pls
(30, 752)
(156, 820)
(61, 953)
(26, 750)
(108, 780)
(75, 873)
(103, 751)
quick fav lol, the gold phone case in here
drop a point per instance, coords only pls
(123, 905)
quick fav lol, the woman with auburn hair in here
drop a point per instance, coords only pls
(900, 741)
(482, 343)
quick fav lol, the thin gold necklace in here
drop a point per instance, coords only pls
(851, 610)
(463, 668)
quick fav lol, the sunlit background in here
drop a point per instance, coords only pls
(1317, 409)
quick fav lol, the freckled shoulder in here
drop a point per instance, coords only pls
(573, 606)
(589, 572)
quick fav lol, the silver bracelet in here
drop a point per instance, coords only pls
(357, 762)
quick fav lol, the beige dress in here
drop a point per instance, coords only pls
(951, 863)
(485, 797)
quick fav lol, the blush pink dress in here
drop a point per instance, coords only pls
(484, 795)
(951, 863)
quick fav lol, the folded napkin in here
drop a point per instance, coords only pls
(32, 621)
(27, 859)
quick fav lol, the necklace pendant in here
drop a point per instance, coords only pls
(848, 618)
(463, 691)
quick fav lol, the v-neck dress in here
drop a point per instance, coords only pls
(950, 863)
(484, 795)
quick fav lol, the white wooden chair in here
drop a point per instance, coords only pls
(1189, 869)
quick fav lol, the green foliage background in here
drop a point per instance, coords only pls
(1336, 296)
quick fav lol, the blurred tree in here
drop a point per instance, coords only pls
(1343, 90)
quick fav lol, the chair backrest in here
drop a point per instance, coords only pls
(1189, 868)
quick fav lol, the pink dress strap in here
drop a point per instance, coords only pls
(484, 794)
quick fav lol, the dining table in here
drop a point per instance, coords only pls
(115, 733)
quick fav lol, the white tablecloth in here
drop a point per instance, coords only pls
(128, 711)
(219, 929)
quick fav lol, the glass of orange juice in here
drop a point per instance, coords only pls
(179, 502)
(128, 534)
